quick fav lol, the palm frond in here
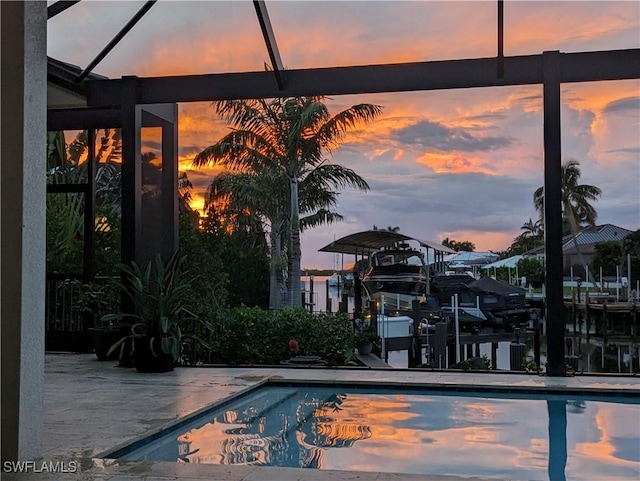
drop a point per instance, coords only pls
(335, 176)
(320, 217)
(329, 134)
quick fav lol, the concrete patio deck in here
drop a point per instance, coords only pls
(92, 407)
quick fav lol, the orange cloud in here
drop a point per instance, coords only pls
(451, 162)
(382, 32)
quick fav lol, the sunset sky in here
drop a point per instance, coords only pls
(461, 164)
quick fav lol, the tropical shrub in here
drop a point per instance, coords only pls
(209, 292)
(533, 270)
(65, 221)
(249, 335)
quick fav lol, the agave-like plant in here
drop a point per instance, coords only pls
(159, 295)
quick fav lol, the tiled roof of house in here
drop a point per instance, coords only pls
(589, 236)
(601, 233)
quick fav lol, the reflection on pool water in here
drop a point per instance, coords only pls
(481, 434)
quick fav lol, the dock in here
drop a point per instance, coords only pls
(370, 360)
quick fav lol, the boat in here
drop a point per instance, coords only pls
(459, 268)
(482, 303)
(397, 276)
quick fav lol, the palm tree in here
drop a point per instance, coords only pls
(459, 246)
(291, 136)
(389, 228)
(265, 195)
(532, 229)
(576, 209)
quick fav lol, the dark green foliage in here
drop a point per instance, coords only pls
(249, 335)
(364, 335)
(249, 274)
(459, 246)
(522, 244)
(107, 241)
(95, 299)
(241, 247)
(608, 255)
(533, 270)
(474, 364)
(160, 294)
(65, 218)
(209, 292)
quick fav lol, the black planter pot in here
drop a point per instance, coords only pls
(365, 348)
(148, 360)
(126, 353)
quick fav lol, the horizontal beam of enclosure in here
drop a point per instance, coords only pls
(403, 77)
(83, 118)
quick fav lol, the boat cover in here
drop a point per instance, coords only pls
(487, 284)
(373, 240)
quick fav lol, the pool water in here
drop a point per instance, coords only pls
(495, 435)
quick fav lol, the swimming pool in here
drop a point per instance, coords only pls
(493, 433)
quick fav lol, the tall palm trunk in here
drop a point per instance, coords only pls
(295, 293)
(275, 268)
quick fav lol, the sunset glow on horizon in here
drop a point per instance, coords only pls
(461, 164)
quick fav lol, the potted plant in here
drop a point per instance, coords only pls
(159, 295)
(106, 335)
(365, 336)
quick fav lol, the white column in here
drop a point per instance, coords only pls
(22, 202)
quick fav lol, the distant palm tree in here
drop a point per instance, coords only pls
(532, 229)
(289, 135)
(459, 246)
(388, 229)
(576, 209)
(631, 243)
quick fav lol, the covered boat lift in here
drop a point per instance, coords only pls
(366, 242)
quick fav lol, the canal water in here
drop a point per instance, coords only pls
(397, 359)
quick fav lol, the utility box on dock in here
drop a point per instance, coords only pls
(517, 351)
(440, 346)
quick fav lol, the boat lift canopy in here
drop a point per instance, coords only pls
(509, 262)
(366, 242)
